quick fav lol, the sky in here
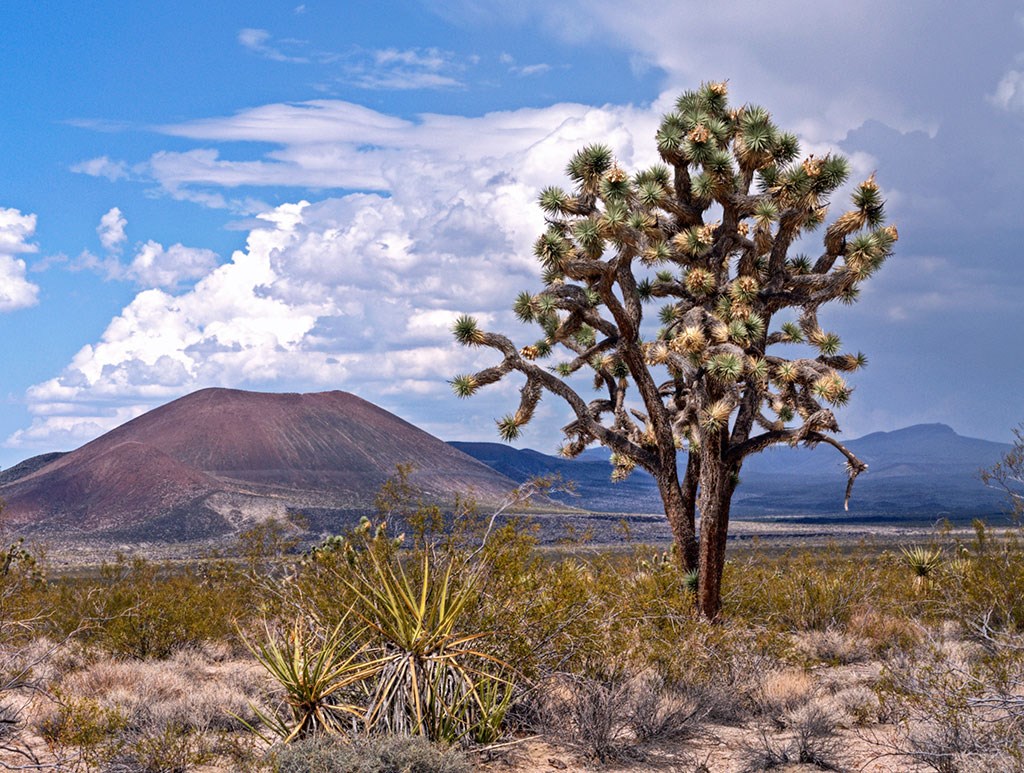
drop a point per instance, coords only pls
(302, 197)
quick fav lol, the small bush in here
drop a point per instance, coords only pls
(659, 712)
(812, 741)
(375, 754)
(781, 692)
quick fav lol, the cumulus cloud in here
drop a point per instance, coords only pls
(16, 292)
(111, 230)
(154, 266)
(434, 215)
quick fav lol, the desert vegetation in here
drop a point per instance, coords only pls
(429, 641)
(440, 648)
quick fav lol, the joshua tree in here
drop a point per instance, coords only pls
(709, 234)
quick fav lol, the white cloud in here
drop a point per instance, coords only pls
(154, 266)
(403, 70)
(1009, 93)
(531, 69)
(16, 292)
(111, 230)
(102, 166)
(332, 144)
(257, 41)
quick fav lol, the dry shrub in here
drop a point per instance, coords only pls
(591, 712)
(610, 715)
(883, 632)
(781, 692)
(160, 694)
(148, 716)
(859, 704)
(375, 754)
(811, 741)
(659, 711)
(831, 646)
(957, 705)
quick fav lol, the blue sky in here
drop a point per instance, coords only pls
(301, 197)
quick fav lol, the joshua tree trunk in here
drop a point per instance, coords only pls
(680, 505)
(717, 483)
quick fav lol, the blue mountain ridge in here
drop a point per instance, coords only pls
(922, 472)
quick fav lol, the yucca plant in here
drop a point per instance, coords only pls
(316, 672)
(922, 561)
(430, 678)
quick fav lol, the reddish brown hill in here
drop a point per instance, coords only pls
(219, 458)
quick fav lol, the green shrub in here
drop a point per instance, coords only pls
(142, 610)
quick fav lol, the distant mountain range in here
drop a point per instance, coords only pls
(925, 471)
(218, 459)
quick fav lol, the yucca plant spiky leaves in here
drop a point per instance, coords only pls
(652, 193)
(645, 289)
(828, 344)
(792, 333)
(587, 233)
(564, 369)
(832, 388)
(669, 314)
(509, 428)
(786, 373)
(619, 368)
(314, 672)
(589, 164)
(551, 248)
(670, 139)
(690, 340)
(615, 184)
(585, 336)
(868, 199)
(464, 385)
(923, 562)
(703, 187)
(699, 281)
(430, 675)
(787, 148)
(738, 331)
(467, 332)
(799, 265)
(715, 417)
(725, 367)
(524, 307)
(834, 171)
(554, 200)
